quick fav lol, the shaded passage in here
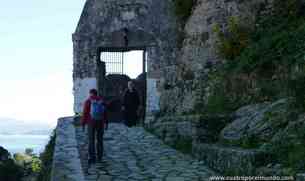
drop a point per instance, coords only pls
(134, 154)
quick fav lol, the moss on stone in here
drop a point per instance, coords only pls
(183, 8)
(184, 145)
(250, 142)
(287, 146)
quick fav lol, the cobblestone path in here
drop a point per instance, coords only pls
(132, 154)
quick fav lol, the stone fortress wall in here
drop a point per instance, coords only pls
(176, 73)
(104, 23)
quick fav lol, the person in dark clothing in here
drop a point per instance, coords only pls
(94, 115)
(131, 102)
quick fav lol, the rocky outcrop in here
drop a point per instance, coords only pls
(194, 128)
(186, 83)
(259, 121)
(251, 141)
(230, 160)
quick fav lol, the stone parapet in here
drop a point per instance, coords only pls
(66, 160)
(230, 160)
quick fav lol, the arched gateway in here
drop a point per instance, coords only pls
(121, 26)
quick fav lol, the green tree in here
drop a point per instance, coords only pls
(29, 151)
(9, 171)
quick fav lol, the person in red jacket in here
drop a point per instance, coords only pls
(95, 116)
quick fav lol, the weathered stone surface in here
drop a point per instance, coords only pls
(134, 154)
(229, 160)
(81, 89)
(196, 128)
(176, 80)
(148, 24)
(198, 53)
(66, 161)
(255, 121)
(300, 177)
(292, 133)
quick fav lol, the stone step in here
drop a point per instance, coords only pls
(230, 160)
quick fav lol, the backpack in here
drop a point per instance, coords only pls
(97, 109)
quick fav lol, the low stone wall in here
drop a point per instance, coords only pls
(198, 128)
(66, 160)
(300, 177)
(203, 133)
(229, 160)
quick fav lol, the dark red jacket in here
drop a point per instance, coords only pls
(86, 118)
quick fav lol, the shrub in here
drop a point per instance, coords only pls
(296, 157)
(10, 171)
(184, 145)
(25, 162)
(46, 160)
(231, 43)
(271, 67)
(296, 88)
(36, 164)
(250, 142)
(287, 8)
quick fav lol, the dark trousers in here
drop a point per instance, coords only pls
(95, 132)
(131, 117)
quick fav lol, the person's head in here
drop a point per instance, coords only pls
(93, 92)
(130, 85)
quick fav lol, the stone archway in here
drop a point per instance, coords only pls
(113, 78)
(149, 24)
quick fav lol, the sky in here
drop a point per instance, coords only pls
(36, 59)
(132, 62)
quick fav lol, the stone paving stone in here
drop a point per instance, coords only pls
(132, 154)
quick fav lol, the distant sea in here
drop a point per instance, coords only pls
(18, 143)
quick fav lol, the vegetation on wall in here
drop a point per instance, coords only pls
(288, 148)
(287, 8)
(184, 145)
(266, 64)
(47, 159)
(183, 8)
(234, 40)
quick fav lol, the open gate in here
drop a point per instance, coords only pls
(114, 59)
(113, 82)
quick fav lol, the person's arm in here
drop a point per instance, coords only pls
(124, 101)
(137, 99)
(105, 114)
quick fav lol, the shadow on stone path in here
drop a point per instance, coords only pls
(132, 154)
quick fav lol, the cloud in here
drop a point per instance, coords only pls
(41, 99)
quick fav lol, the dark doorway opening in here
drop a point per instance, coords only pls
(117, 66)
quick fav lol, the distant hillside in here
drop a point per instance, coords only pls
(12, 126)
